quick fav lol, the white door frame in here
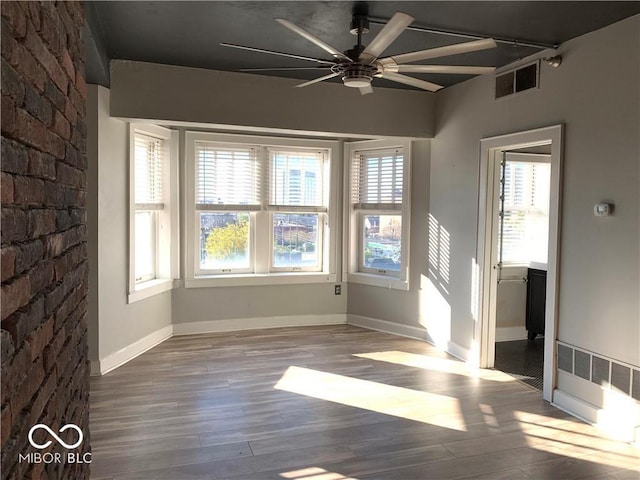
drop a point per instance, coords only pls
(490, 156)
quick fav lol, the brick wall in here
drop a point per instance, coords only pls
(45, 371)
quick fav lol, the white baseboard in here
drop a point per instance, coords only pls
(508, 334)
(620, 427)
(409, 331)
(459, 351)
(388, 327)
(214, 326)
(131, 351)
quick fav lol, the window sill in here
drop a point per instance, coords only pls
(252, 279)
(151, 288)
(378, 281)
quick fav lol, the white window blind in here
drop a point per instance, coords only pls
(526, 212)
(148, 172)
(296, 179)
(227, 177)
(378, 180)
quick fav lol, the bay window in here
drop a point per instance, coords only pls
(258, 210)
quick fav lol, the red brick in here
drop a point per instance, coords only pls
(40, 338)
(41, 165)
(76, 100)
(6, 424)
(28, 254)
(14, 157)
(41, 222)
(43, 396)
(70, 112)
(52, 350)
(24, 321)
(8, 262)
(28, 191)
(67, 64)
(14, 225)
(15, 17)
(7, 41)
(51, 29)
(81, 85)
(6, 188)
(22, 395)
(29, 130)
(41, 276)
(54, 145)
(61, 126)
(33, 8)
(15, 295)
(8, 115)
(12, 84)
(28, 67)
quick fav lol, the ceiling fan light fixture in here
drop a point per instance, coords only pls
(356, 82)
(358, 76)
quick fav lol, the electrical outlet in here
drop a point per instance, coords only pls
(338, 289)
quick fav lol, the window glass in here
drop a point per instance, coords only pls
(382, 249)
(144, 246)
(296, 240)
(525, 217)
(224, 240)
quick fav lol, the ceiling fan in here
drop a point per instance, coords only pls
(360, 65)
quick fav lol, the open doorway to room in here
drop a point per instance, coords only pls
(519, 215)
(523, 236)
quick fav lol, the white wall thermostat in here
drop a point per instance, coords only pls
(602, 209)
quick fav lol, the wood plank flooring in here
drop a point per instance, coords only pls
(332, 403)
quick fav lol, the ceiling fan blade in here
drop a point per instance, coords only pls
(366, 90)
(273, 52)
(323, 67)
(447, 50)
(386, 36)
(414, 82)
(326, 77)
(313, 39)
(444, 69)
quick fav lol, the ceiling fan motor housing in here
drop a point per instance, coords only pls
(356, 75)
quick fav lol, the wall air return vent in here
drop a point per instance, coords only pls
(518, 80)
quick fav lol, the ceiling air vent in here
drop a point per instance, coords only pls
(518, 80)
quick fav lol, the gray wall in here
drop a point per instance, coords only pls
(396, 305)
(163, 92)
(225, 303)
(115, 324)
(595, 93)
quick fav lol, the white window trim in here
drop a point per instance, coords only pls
(352, 218)
(168, 225)
(262, 275)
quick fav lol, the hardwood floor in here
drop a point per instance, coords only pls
(332, 403)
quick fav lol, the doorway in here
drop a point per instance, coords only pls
(528, 146)
(523, 235)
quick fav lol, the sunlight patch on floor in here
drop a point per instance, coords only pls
(377, 397)
(576, 440)
(445, 365)
(314, 473)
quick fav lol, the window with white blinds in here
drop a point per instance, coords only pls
(153, 210)
(525, 215)
(148, 172)
(296, 179)
(260, 205)
(227, 177)
(377, 178)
